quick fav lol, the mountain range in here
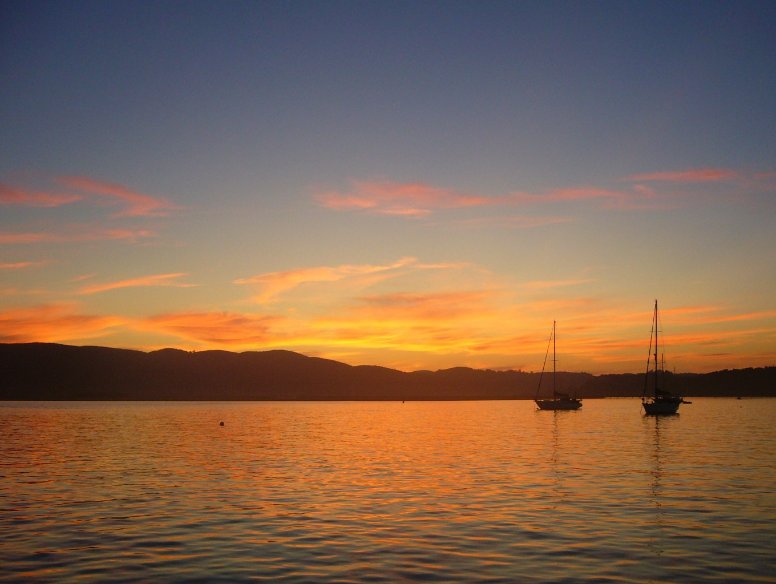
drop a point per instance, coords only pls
(48, 371)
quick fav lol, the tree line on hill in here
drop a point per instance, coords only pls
(47, 371)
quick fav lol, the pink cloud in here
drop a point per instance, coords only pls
(420, 200)
(688, 176)
(20, 265)
(10, 195)
(396, 198)
(74, 235)
(136, 204)
(143, 281)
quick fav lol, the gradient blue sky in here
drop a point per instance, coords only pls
(411, 184)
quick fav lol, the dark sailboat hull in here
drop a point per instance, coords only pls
(662, 407)
(559, 404)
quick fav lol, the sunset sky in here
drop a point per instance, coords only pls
(418, 185)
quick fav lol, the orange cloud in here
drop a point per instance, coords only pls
(396, 198)
(52, 323)
(20, 265)
(74, 235)
(688, 176)
(424, 307)
(136, 204)
(154, 280)
(272, 284)
(218, 328)
(10, 195)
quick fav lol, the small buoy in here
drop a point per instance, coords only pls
(221, 424)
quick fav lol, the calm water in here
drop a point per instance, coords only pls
(387, 492)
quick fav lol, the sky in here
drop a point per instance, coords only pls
(417, 185)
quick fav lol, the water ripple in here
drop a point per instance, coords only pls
(386, 492)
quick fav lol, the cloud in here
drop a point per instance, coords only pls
(21, 265)
(135, 204)
(219, 328)
(418, 199)
(74, 235)
(435, 306)
(414, 199)
(421, 200)
(52, 323)
(10, 195)
(272, 284)
(142, 281)
(688, 176)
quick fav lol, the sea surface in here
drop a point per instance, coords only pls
(484, 491)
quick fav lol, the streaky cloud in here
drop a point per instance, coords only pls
(697, 175)
(414, 200)
(142, 281)
(273, 284)
(408, 199)
(53, 323)
(74, 235)
(21, 265)
(425, 306)
(10, 195)
(136, 204)
(218, 328)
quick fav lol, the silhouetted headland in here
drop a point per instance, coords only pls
(46, 371)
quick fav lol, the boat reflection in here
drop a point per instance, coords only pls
(660, 431)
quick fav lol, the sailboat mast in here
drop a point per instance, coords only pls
(656, 346)
(554, 361)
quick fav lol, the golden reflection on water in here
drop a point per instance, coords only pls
(387, 491)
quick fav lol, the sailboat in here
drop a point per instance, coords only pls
(657, 401)
(559, 401)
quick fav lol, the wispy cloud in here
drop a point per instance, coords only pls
(74, 234)
(696, 175)
(53, 323)
(434, 306)
(270, 285)
(21, 265)
(413, 199)
(135, 204)
(646, 191)
(218, 328)
(10, 195)
(142, 281)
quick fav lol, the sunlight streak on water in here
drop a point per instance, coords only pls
(387, 492)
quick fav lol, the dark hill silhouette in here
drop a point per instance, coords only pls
(46, 371)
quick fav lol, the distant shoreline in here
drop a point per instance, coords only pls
(55, 372)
